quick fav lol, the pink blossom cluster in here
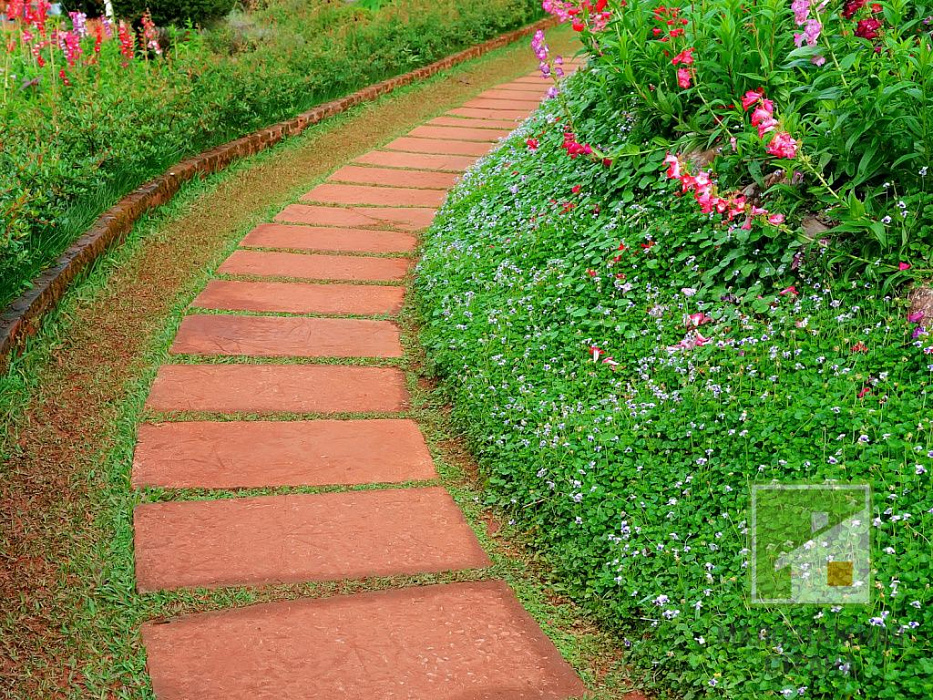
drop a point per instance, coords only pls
(575, 148)
(811, 27)
(586, 15)
(705, 193)
(781, 145)
(684, 75)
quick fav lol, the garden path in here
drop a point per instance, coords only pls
(286, 375)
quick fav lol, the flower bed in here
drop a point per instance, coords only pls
(92, 109)
(633, 328)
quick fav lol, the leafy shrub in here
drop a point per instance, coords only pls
(174, 11)
(80, 133)
(849, 88)
(620, 407)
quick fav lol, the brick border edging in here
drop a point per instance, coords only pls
(23, 316)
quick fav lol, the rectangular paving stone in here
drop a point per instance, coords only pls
(525, 108)
(516, 114)
(463, 148)
(301, 537)
(419, 161)
(459, 133)
(286, 336)
(278, 388)
(315, 267)
(519, 99)
(396, 178)
(301, 298)
(408, 218)
(256, 454)
(463, 122)
(332, 193)
(329, 238)
(460, 641)
(528, 88)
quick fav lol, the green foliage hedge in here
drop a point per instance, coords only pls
(69, 152)
(174, 11)
(560, 302)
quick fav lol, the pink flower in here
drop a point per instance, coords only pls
(915, 317)
(864, 392)
(673, 169)
(792, 291)
(532, 144)
(776, 219)
(683, 78)
(685, 57)
(751, 97)
(904, 266)
(698, 319)
(783, 146)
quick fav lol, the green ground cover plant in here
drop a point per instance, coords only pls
(626, 362)
(91, 109)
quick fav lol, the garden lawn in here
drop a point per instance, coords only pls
(102, 112)
(626, 367)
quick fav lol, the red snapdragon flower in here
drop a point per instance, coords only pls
(532, 144)
(904, 266)
(685, 57)
(783, 146)
(867, 28)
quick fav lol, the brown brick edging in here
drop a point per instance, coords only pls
(23, 316)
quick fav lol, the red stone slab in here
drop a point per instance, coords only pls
(534, 79)
(315, 267)
(301, 298)
(408, 219)
(473, 113)
(463, 122)
(256, 454)
(301, 537)
(463, 148)
(278, 388)
(286, 336)
(526, 88)
(331, 193)
(419, 161)
(525, 108)
(395, 178)
(519, 99)
(461, 641)
(338, 240)
(459, 133)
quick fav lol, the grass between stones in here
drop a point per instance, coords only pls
(70, 407)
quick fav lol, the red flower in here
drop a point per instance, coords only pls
(851, 7)
(904, 266)
(867, 28)
(751, 97)
(860, 347)
(864, 391)
(576, 189)
(792, 290)
(532, 144)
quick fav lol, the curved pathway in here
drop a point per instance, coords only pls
(319, 287)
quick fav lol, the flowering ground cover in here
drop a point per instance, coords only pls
(636, 318)
(90, 108)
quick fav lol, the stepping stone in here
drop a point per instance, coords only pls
(284, 336)
(526, 88)
(445, 163)
(338, 240)
(519, 99)
(535, 79)
(301, 298)
(315, 267)
(301, 537)
(409, 219)
(461, 641)
(461, 122)
(481, 103)
(394, 178)
(278, 388)
(256, 454)
(516, 114)
(378, 196)
(459, 133)
(463, 148)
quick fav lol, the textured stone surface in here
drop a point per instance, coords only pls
(463, 148)
(420, 161)
(465, 641)
(338, 240)
(465, 122)
(519, 99)
(408, 219)
(278, 388)
(459, 133)
(395, 178)
(284, 336)
(524, 108)
(254, 454)
(474, 113)
(344, 268)
(301, 298)
(334, 193)
(301, 537)
(525, 88)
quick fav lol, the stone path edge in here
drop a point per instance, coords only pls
(23, 317)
